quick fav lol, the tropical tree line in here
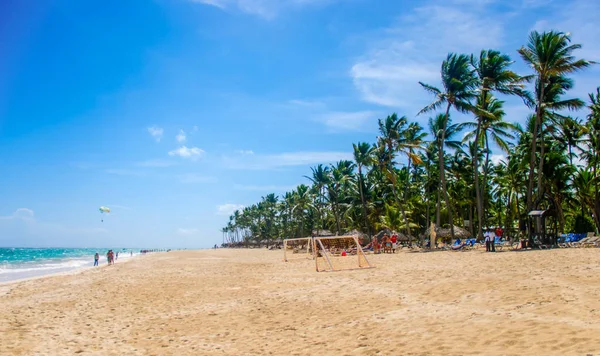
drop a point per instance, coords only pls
(444, 173)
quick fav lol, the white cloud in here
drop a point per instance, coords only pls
(265, 188)
(192, 153)
(313, 104)
(188, 231)
(267, 9)
(579, 18)
(217, 3)
(245, 152)
(20, 214)
(412, 50)
(282, 160)
(306, 158)
(351, 121)
(228, 209)
(535, 3)
(156, 132)
(196, 178)
(181, 136)
(496, 158)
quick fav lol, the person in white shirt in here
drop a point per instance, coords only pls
(488, 241)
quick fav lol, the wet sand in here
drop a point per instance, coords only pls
(249, 302)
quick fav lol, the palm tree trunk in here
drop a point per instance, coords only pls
(541, 164)
(485, 175)
(478, 194)
(538, 115)
(438, 219)
(406, 196)
(518, 212)
(443, 173)
(570, 154)
(428, 199)
(508, 223)
(362, 199)
(471, 219)
(337, 219)
(393, 180)
(597, 195)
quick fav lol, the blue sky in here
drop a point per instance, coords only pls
(175, 112)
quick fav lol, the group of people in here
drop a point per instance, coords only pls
(111, 257)
(490, 238)
(388, 243)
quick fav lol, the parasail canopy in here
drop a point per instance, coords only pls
(104, 209)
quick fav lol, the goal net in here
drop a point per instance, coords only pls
(339, 253)
(297, 249)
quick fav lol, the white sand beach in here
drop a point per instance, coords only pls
(249, 302)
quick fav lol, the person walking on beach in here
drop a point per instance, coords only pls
(117, 257)
(108, 257)
(96, 259)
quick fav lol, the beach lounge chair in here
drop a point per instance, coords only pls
(565, 241)
(593, 241)
(575, 239)
(538, 243)
(499, 244)
(580, 242)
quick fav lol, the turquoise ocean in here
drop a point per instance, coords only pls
(19, 263)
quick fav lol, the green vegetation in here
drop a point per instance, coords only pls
(552, 162)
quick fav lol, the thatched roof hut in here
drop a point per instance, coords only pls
(355, 233)
(444, 233)
(402, 237)
(322, 233)
(380, 234)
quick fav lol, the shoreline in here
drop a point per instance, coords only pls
(73, 271)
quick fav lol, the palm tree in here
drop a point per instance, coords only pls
(339, 174)
(491, 125)
(320, 179)
(494, 75)
(550, 55)
(363, 156)
(303, 206)
(459, 82)
(443, 131)
(391, 133)
(593, 155)
(571, 131)
(414, 139)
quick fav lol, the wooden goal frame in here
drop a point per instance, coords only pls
(309, 244)
(362, 261)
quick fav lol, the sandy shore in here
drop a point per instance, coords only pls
(248, 302)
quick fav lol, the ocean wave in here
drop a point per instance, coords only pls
(32, 267)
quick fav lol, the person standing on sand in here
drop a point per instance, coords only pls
(488, 241)
(96, 259)
(117, 257)
(394, 240)
(108, 257)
